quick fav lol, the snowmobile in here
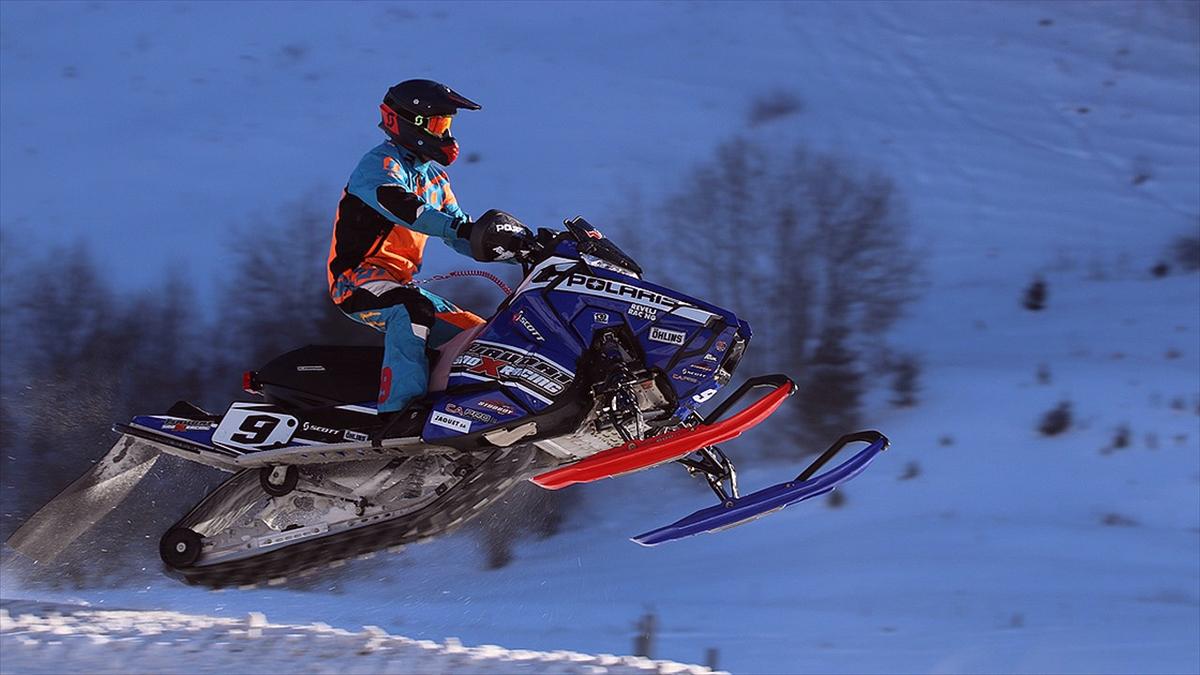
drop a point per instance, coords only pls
(585, 371)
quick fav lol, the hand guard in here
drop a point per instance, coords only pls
(498, 236)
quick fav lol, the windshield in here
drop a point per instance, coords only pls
(598, 251)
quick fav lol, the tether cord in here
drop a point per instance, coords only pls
(466, 273)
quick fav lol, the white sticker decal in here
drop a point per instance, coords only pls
(450, 422)
(253, 426)
(606, 288)
(530, 372)
(671, 337)
(643, 312)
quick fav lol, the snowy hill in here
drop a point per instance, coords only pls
(1011, 128)
(1061, 139)
(48, 638)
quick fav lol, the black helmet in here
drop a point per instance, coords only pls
(416, 115)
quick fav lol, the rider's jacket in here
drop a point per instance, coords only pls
(392, 204)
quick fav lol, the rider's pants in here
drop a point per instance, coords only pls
(410, 319)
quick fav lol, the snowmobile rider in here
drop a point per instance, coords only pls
(395, 200)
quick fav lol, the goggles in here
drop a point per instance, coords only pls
(438, 125)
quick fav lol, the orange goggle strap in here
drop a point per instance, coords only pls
(391, 121)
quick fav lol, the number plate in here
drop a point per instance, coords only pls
(253, 426)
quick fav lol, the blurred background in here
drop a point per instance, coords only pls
(973, 226)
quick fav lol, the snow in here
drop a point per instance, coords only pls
(49, 638)
(1016, 133)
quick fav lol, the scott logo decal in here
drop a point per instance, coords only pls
(528, 325)
(389, 119)
(308, 426)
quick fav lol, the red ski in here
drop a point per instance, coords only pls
(637, 455)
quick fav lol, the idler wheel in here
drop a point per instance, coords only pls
(277, 481)
(180, 547)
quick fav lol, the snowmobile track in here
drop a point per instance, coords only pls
(490, 481)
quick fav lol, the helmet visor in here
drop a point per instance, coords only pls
(439, 125)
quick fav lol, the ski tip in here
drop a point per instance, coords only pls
(642, 540)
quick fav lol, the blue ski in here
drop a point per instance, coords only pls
(735, 511)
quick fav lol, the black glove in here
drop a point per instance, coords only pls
(497, 235)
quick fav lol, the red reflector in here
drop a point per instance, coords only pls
(248, 382)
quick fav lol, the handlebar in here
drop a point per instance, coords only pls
(587, 238)
(543, 242)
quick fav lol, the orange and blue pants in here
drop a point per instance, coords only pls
(410, 318)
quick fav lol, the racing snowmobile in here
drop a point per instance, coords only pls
(585, 371)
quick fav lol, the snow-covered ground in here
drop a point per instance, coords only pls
(49, 638)
(1061, 139)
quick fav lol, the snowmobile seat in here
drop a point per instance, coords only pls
(323, 375)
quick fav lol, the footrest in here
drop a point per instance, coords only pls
(737, 511)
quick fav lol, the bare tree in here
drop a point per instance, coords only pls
(1186, 252)
(170, 362)
(831, 388)
(798, 243)
(906, 369)
(10, 461)
(276, 297)
(75, 341)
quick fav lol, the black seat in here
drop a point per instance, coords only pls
(322, 375)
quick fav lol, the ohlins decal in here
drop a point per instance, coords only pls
(494, 362)
(671, 337)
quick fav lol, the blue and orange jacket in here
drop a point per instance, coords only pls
(392, 204)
